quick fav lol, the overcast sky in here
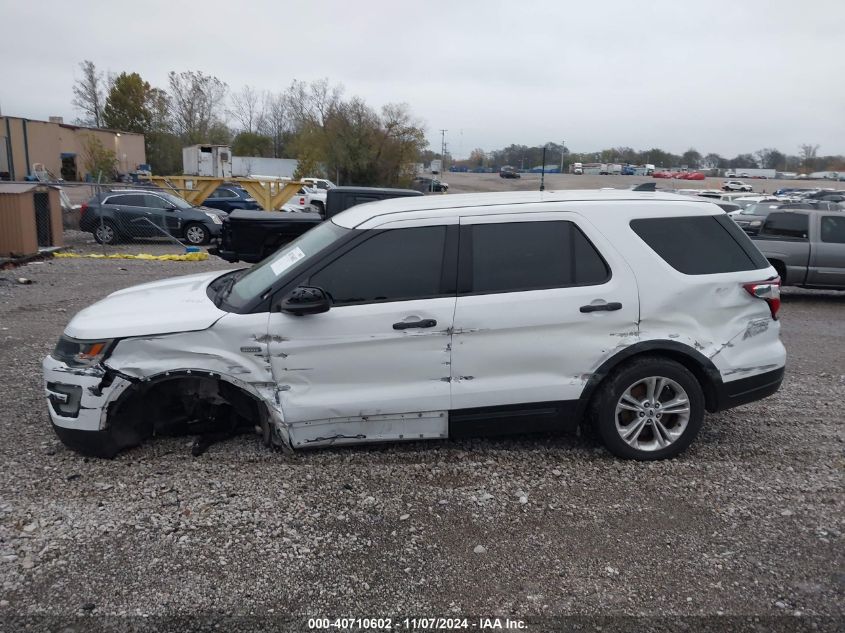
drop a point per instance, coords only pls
(725, 77)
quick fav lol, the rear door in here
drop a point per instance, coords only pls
(541, 296)
(132, 216)
(828, 252)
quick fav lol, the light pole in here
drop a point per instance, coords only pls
(562, 150)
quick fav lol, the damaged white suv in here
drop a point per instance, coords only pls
(438, 317)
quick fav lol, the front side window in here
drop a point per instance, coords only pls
(789, 225)
(516, 256)
(833, 229)
(394, 265)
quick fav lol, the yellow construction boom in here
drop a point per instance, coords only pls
(268, 193)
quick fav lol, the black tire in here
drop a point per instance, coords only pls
(630, 376)
(196, 234)
(105, 232)
(781, 270)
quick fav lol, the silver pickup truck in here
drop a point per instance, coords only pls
(806, 247)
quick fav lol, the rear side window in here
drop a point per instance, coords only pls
(700, 245)
(788, 225)
(514, 256)
(833, 229)
(396, 265)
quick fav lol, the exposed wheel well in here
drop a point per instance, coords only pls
(181, 403)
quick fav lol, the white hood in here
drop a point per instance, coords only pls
(179, 304)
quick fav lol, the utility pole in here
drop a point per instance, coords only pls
(443, 148)
(543, 171)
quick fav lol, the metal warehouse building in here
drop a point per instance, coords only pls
(60, 148)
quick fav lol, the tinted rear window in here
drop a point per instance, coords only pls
(789, 225)
(701, 245)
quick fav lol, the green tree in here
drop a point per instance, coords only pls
(350, 141)
(97, 160)
(252, 144)
(691, 158)
(127, 105)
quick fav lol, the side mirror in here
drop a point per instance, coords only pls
(169, 208)
(305, 300)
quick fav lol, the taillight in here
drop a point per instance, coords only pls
(83, 209)
(302, 202)
(769, 291)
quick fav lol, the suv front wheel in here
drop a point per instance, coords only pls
(650, 408)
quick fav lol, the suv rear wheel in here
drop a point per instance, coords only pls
(650, 408)
(105, 233)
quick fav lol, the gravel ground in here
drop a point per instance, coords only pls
(748, 522)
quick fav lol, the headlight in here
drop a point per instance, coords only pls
(76, 353)
(756, 223)
(215, 218)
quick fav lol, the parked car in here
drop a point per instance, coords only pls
(439, 317)
(250, 236)
(421, 183)
(806, 247)
(123, 214)
(318, 183)
(661, 174)
(728, 207)
(230, 197)
(306, 200)
(736, 185)
(752, 218)
(508, 172)
(693, 175)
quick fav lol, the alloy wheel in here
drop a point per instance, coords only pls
(105, 234)
(195, 234)
(652, 413)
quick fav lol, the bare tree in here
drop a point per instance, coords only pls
(196, 100)
(808, 154)
(313, 103)
(88, 94)
(276, 121)
(247, 109)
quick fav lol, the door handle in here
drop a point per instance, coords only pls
(405, 325)
(607, 307)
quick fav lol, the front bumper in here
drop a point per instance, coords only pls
(77, 397)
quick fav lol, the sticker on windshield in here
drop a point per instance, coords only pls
(286, 261)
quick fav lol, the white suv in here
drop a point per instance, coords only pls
(435, 317)
(736, 185)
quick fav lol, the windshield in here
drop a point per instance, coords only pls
(176, 201)
(291, 256)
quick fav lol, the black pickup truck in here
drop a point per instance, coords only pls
(250, 236)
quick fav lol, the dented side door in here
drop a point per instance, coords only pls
(370, 369)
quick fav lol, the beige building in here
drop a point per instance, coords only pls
(60, 148)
